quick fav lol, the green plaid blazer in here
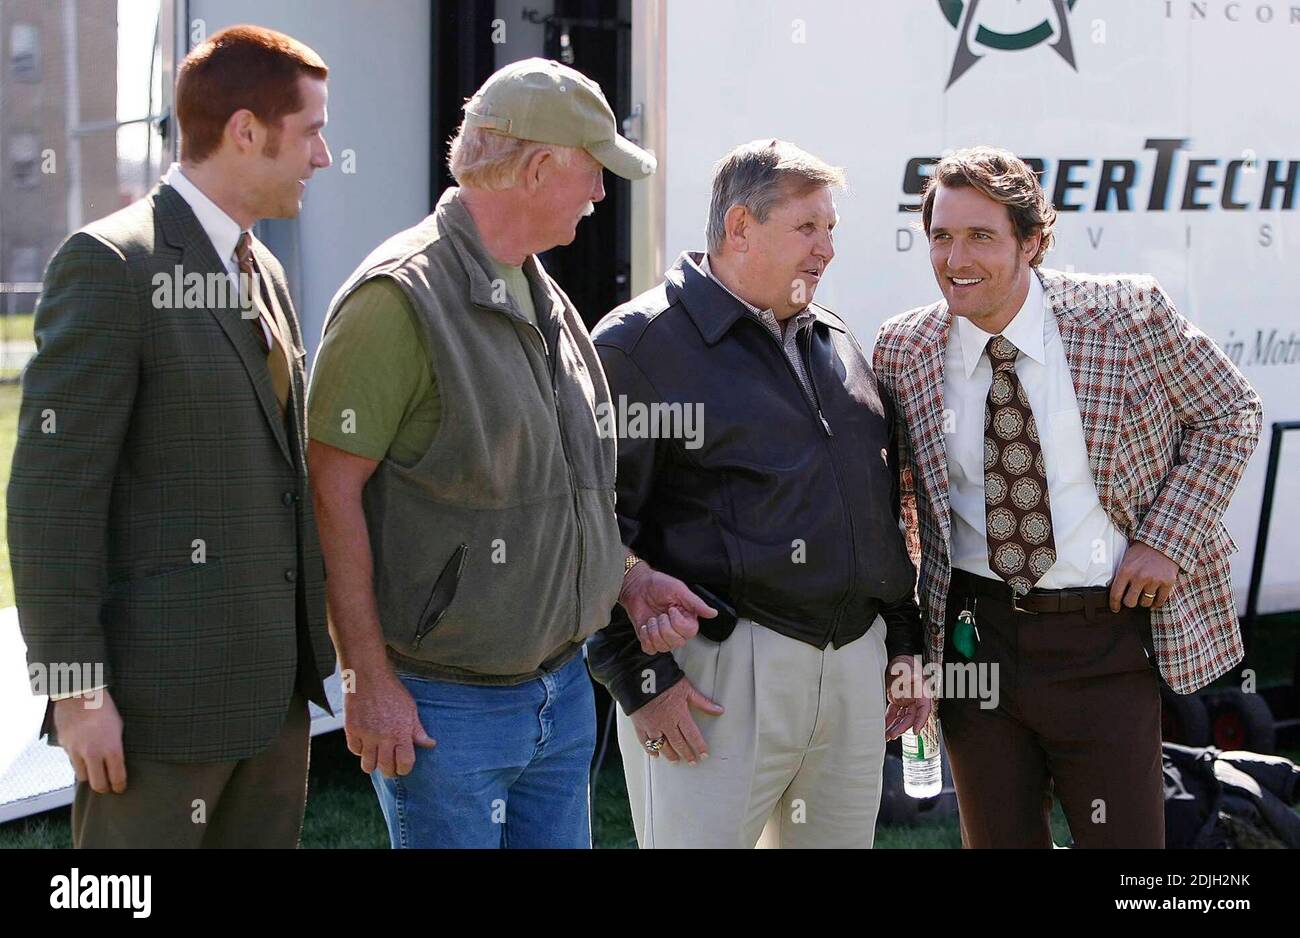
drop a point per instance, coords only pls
(160, 523)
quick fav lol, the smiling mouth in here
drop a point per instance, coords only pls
(965, 281)
(812, 272)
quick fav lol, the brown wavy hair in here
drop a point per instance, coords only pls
(1003, 177)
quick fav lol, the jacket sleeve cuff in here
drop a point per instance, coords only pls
(632, 677)
(902, 628)
(1155, 532)
(634, 689)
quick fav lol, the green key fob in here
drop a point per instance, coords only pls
(965, 635)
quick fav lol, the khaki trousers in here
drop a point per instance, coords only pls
(253, 802)
(795, 761)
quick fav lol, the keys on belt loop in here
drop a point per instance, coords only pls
(966, 634)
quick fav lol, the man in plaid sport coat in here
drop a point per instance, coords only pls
(1163, 426)
(164, 549)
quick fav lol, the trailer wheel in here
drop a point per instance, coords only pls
(1241, 721)
(1183, 719)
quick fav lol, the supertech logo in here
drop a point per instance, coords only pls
(973, 34)
(1166, 175)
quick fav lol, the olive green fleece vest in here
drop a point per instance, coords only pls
(499, 550)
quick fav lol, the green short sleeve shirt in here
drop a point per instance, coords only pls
(373, 391)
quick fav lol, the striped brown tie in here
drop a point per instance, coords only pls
(1017, 512)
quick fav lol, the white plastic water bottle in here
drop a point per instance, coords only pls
(922, 765)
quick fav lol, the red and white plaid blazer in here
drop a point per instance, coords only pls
(1169, 423)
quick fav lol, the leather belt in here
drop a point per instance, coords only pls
(1087, 599)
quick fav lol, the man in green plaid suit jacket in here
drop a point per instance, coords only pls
(169, 579)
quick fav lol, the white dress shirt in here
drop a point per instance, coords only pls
(222, 230)
(1088, 546)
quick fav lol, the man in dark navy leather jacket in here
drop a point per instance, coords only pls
(780, 511)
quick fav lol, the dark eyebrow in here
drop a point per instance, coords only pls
(978, 228)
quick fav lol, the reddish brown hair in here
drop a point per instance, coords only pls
(240, 67)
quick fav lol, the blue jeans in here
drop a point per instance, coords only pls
(511, 768)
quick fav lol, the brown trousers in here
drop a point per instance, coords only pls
(1079, 710)
(253, 802)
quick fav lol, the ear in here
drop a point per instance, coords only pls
(736, 223)
(1029, 249)
(242, 130)
(538, 165)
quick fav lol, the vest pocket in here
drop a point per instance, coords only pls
(444, 591)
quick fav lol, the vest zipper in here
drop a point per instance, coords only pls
(568, 468)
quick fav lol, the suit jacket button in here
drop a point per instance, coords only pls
(288, 498)
(290, 575)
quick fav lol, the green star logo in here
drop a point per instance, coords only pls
(961, 15)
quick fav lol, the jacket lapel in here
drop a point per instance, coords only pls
(923, 382)
(1098, 360)
(182, 230)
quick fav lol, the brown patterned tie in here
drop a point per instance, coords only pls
(1017, 513)
(277, 361)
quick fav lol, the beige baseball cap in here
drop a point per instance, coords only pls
(548, 102)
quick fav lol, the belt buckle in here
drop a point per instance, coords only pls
(1016, 596)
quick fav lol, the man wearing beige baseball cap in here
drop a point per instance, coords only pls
(546, 102)
(464, 491)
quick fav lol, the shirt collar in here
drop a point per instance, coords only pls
(222, 230)
(1025, 331)
(802, 318)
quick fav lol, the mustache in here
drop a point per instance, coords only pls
(589, 210)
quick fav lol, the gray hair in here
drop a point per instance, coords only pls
(760, 175)
(485, 159)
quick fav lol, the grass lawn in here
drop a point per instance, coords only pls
(16, 326)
